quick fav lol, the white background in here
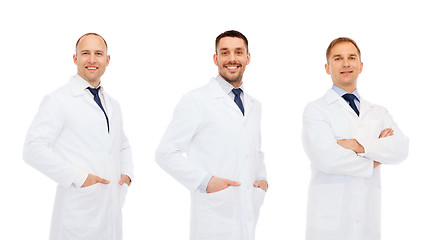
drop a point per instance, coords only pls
(161, 49)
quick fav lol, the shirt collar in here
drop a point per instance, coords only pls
(226, 86)
(341, 92)
(84, 84)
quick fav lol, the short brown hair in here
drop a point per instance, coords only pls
(232, 33)
(95, 34)
(340, 40)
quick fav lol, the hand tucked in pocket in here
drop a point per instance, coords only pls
(93, 179)
(217, 184)
(125, 179)
(261, 184)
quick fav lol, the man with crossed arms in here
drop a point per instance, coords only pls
(347, 139)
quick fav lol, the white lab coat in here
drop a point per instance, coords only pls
(69, 139)
(209, 127)
(344, 191)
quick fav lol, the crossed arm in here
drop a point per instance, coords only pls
(354, 145)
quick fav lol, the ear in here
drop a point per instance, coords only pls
(75, 58)
(215, 59)
(107, 59)
(248, 58)
(327, 69)
(361, 66)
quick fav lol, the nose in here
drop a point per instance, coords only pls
(232, 56)
(92, 58)
(346, 63)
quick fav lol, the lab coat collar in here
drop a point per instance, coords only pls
(332, 97)
(226, 86)
(218, 92)
(78, 85)
(78, 88)
(216, 89)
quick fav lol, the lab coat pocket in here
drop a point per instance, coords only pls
(325, 203)
(374, 201)
(215, 212)
(258, 197)
(82, 207)
(123, 190)
(88, 189)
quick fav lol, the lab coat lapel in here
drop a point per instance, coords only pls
(109, 113)
(221, 95)
(108, 105)
(365, 107)
(332, 97)
(78, 86)
(248, 105)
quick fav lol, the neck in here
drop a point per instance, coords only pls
(349, 89)
(94, 83)
(235, 83)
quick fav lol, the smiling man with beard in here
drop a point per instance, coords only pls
(212, 147)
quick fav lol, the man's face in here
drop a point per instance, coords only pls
(91, 58)
(231, 58)
(344, 65)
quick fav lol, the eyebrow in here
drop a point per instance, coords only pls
(224, 49)
(87, 50)
(339, 55)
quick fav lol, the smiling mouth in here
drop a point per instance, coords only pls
(232, 67)
(347, 72)
(91, 68)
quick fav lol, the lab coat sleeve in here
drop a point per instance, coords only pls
(261, 171)
(323, 151)
(126, 164)
(389, 150)
(170, 154)
(262, 168)
(40, 138)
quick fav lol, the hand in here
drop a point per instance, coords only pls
(386, 133)
(261, 184)
(351, 144)
(376, 164)
(217, 184)
(93, 179)
(125, 179)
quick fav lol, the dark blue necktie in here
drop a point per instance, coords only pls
(237, 100)
(350, 99)
(95, 92)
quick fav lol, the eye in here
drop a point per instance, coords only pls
(352, 58)
(224, 53)
(337, 59)
(84, 53)
(99, 54)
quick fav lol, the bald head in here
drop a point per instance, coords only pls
(87, 34)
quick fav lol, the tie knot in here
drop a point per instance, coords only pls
(237, 91)
(349, 97)
(94, 91)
